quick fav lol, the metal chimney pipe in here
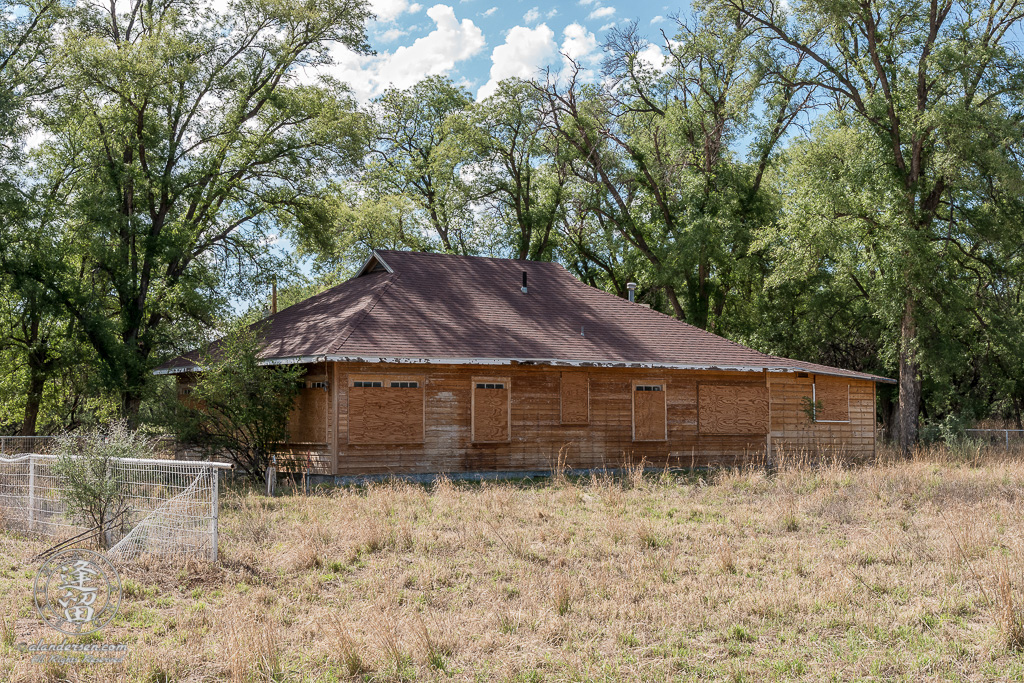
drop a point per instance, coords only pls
(524, 282)
(631, 286)
(273, 298)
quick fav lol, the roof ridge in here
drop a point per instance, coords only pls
(347, 333)
(468, 257)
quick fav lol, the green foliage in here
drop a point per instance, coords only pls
(659, 194)
(883, 234)
(236, 407)
(515, 173)
(411, 161)
(92, 485)
(811, 408)
(179, 141)
(896, 200)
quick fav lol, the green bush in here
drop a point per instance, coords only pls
(93, 486)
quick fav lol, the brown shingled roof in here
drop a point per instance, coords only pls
(418, 307)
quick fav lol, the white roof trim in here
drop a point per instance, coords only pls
(374, 257)
(296, 360)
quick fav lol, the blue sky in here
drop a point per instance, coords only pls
(479, 42)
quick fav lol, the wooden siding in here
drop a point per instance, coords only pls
(310, 425)
(575, 389)
(733, 409)
(536, 431)
(794, 433)
(491, 410)
(650, 418)
(385, 414)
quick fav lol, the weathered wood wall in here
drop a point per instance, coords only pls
(310, 425)
(729, 425)
(844, 425)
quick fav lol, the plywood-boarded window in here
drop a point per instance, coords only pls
(575, 398)
(831, 400)
(491, 410)
(650, 421)
(385, 410)
(308, 420)
(733, 409)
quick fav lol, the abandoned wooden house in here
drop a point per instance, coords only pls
(430, 363)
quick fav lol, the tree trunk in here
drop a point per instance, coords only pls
(32, 401)
(131, 401)
(909, 380)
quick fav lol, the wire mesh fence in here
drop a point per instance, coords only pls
(170, 507)
(1001, 436)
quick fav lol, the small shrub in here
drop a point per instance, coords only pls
(93, 487)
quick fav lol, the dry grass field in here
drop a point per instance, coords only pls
(895, 570)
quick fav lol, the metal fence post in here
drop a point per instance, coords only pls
(31, 493)
(215, 513)
(1007, 433)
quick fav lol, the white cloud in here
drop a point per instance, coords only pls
(553, 12)
(436, 53)
(653, 55)
(392, 34)
(415, 7)
(601, 13)
(531, 16)
(489, 12)
(587, 2)
(578, 43)
(658, 19)
(607, 26)
(389, 10)
(522, 55)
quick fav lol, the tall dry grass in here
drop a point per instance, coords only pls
(815, 568)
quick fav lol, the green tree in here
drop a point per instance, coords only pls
(235, 407)
(410, 159)
(185, 139)
(360, 224)
(511, 161)
(26, 35)
(40, 341)
(656, 143)
(926, 95)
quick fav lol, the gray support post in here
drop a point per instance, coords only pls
(214, 512)
(31, 493)
(1007, 433)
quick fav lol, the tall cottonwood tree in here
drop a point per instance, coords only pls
(409, 157)
(190, 140)
(930, 90)
(30, 331)
(514, 165)
(658, 141)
